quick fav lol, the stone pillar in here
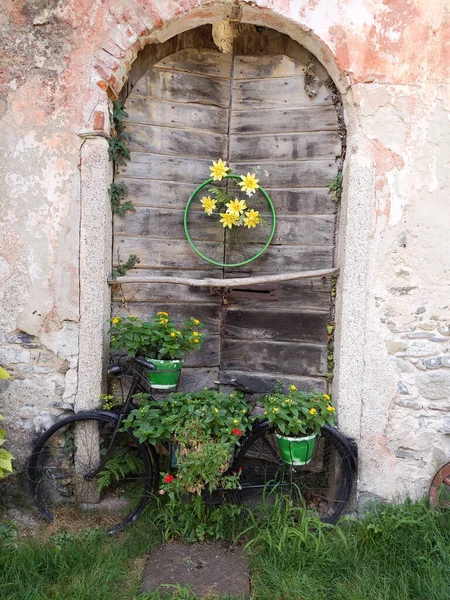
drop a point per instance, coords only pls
(95, 266)
(353, 290)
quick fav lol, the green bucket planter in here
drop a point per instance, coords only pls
(166, 375)
(296, 450)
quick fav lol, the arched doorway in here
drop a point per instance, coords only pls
(266, 105)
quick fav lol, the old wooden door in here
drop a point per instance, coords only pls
(258, 113)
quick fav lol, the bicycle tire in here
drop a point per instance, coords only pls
(69, 450)
(324, 486)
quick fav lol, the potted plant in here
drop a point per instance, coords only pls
(203, 428)
(160, 340)
(297, 418)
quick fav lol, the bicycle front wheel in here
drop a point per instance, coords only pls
(323, 486)
(65, 486)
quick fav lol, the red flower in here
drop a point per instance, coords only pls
(237, 432)
(240, 469)
(168, 478)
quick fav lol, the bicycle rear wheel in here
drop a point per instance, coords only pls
(64, 457)
(323, 486)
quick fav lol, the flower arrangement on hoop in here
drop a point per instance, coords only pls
(233, 210)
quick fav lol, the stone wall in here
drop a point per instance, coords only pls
(391, 63)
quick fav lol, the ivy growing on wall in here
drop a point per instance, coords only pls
(119, 154)
(330, 332)
(117, 192)
(335, 188)
(122, 268)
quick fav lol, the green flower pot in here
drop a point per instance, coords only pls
(166, 375)
(296, 450)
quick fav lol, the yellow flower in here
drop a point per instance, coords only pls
(195, 333)
(196, 341)
(288, 400)
(163, 321)
(231, 395)
(115, 320)
(235, 421)
(162, 314)
(292, 388)
(178, 332)
(312, 411)
(331, 408)
(265, 412)
(244, 411)
(252, 218)
(236, 206)
(249, 183)
(275, 409)
(326, 396)
(208, 204)
(219, 170)
(173, 334)
(196, 322)
(216, 410)
(229, 219)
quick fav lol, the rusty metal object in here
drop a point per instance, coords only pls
(441, 481)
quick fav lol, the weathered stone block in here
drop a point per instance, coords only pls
(433, 363)
(444, 407)
(13, 356)
(415, 405)
(444, 427)
(408, 453)
(444, 327)
(418, 334)
(421, 348)
(402, 365)
(434, 385)
(402, 388)
(394, 347)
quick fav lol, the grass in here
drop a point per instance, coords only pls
(395, 553)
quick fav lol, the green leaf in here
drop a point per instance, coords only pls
(4, 374)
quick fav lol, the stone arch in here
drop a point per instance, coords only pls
(112, 65)
(114, 59)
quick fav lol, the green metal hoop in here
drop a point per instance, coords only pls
(222, 264)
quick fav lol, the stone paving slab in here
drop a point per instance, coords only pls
(210, 570)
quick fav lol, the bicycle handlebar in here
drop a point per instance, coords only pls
(143, 363)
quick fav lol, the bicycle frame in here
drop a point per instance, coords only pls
(125, 410)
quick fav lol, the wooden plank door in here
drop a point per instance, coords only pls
(291, 141)
(178, 118)
(196, 105)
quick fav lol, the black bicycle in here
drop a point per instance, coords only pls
(86, 461)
